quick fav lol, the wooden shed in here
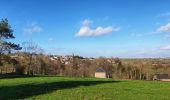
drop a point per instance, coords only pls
(102, 73)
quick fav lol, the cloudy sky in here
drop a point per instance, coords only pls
(92, 28)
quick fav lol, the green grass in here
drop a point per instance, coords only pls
(65, 88)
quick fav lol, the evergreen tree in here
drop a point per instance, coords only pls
(6, 33)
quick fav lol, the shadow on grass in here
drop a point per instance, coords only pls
(8, 76)
(11, 76)
(29, 90)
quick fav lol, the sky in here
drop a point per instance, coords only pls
(92, 28)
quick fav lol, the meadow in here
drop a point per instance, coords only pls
(66, 88)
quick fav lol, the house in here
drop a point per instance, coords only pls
(161, 77)
(102, 73)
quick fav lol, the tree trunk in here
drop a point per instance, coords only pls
(140, 74)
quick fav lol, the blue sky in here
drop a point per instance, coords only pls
(92, 28)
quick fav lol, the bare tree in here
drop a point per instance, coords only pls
(31, 49)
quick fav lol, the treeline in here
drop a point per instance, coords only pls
(39, 64)
(144, 69)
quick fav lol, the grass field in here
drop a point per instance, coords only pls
(65, 88)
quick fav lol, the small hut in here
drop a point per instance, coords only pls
(161, 77)
(102, 73)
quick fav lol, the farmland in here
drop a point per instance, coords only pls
(66, 88)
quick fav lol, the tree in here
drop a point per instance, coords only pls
(31, 49)
(6, 33)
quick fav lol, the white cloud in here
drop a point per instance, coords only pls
(164, 28)
(86, 22)
(86, 30)
(33, 28)
(166, 47)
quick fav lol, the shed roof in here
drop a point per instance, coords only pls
(100, 70)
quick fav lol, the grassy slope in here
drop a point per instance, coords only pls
(63, 88)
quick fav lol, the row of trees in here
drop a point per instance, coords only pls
(137, 69)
